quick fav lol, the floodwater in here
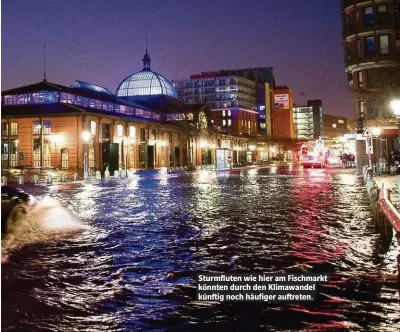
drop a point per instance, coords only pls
(130, 259)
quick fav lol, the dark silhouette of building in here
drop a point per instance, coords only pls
(371, 41)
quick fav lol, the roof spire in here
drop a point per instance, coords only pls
(146, 59)
(44, 63)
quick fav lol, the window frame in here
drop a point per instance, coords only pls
(371, 54)
(380, 44)
(371, 15)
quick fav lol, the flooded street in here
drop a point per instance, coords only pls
(133, 262)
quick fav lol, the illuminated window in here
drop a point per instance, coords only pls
(142, 135)
(93, 127)
(229, 122)
(132, 132)
(384, 44)
(334, 125)
(229, 113)
(120, 130)
(4, 129)
(360, 79)
(382, 8)
(370, 46)
(13, 129)
(223, 113)
(340, 121)
(368, 16)
(224, 123)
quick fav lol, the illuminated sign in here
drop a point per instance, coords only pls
(281, 101)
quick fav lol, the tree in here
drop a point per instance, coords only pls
(194, 120)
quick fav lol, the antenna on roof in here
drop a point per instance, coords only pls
(44, 62)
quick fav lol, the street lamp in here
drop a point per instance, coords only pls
(86, 137)
(376, 131)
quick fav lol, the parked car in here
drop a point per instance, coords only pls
(14, 203)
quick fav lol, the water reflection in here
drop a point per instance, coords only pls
(148, 236)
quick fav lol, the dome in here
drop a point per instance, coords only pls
(146, 83)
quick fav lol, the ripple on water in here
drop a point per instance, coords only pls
(133, 267)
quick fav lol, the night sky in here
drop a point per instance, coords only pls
(102, 42)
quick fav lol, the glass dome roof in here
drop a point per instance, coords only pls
(146, 83)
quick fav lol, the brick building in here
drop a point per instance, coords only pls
(282, 113)
(143, 125)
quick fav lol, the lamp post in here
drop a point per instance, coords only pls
(86, 137)
(376, 132)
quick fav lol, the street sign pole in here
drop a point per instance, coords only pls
(368, 145)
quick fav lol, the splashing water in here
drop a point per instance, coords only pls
(45, 221)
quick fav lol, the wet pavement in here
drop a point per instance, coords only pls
(132, 262)
(393, 184)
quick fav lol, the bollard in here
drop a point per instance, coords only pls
(63, 178)
(35, 179)
(49, 179)
(116, 174)
(75, 176)
(98, 175)
(20, 180)
(3, 181)
(107, 173)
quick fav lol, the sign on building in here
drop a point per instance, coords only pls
(281, 101)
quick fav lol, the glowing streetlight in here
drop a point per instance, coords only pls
(203, 144)
(375, 131)
(396, 107)
(86, 136)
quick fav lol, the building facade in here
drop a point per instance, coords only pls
(232, 100)
(282, 113)
(304, 123)
(143, 125)
(241, 91)
(371, 41)
(334, 126)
